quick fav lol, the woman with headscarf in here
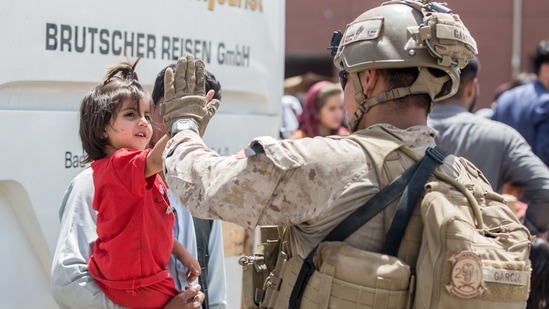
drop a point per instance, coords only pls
(323, 112)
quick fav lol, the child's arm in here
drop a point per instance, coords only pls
(154, 158)
(192, 265)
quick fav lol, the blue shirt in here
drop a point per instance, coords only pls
(500, 152)
(526, 108)
(185, 234)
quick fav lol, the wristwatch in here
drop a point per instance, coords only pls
(184, 124)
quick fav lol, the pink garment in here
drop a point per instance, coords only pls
(307, 120)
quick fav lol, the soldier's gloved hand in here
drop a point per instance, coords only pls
(184, 95)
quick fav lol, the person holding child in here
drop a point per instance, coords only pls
(135, 218)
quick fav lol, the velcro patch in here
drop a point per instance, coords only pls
(455, 33)
(505, 276)
(466, 277)
(369, 29)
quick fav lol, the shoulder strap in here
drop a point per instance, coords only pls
(410, 184)
(408, 201)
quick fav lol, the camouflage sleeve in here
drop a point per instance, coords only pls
(291, 182)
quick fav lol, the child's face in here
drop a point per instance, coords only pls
(130, 128)
(331, 114)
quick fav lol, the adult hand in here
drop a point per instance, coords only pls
(188, 299)
(184, 95)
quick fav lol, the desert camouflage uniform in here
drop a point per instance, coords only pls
(309, 184)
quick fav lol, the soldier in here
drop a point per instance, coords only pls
(393, 64)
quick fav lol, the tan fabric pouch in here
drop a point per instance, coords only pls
(347, 277)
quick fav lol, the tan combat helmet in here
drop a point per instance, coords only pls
(404, 34)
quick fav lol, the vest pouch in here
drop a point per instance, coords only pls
(253, 278)
(259, 270)
(347, 277)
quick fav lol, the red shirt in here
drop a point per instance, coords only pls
(134, 223)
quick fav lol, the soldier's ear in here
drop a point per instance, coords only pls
(471, 88)
(370, 79)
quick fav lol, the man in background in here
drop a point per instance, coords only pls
(495, 148)
(526, 108)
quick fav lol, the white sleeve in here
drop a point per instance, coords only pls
(184, 233)
(71, 284)
(217, 284)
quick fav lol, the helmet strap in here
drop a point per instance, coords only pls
(360, 99)
(424, 83)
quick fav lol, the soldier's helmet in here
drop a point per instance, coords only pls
(403, 34)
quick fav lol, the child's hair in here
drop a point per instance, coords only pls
(102, 103)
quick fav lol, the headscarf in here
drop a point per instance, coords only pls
(307, 120)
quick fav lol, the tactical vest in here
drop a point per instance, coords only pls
(474, 251)
(386, 152)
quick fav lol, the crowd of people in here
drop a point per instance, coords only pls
(140, 228)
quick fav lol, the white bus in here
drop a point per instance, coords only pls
(52, 52)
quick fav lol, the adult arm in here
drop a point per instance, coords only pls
(217, 284)
(71, 284)
(523, 168)
(276, 187)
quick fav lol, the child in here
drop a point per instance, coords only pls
(135, 219)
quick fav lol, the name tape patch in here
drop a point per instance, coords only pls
(363, 30)
(505, 276)
(455, 33)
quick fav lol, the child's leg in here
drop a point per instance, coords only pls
(150, 297)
